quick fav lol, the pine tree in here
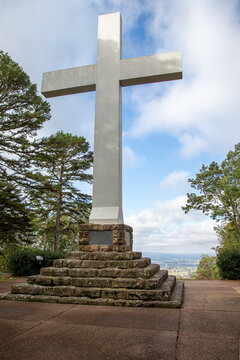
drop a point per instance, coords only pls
(61, 161)
(22, 113)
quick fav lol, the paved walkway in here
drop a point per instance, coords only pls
(207, 327)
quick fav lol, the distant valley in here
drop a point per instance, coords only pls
(180, 265)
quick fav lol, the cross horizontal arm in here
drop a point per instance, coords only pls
(69, 81)
(149, 69)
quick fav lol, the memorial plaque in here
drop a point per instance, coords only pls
(100, 238)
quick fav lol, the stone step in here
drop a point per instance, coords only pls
(161, 294)
(174, 302)
(100, 282)
(169, 284)
(144, 273)
(104, 255)
(100, 264)
(176, 299)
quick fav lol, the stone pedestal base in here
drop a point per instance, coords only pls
(110, 237)
(105, 271)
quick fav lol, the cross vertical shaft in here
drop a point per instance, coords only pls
(107, 173)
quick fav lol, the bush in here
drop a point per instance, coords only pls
(228, 263)
(2, 264)
(22, 262)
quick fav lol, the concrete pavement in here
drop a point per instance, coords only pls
(207, 327)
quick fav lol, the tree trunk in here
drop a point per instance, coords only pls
(59, 207)
(45, 235)
(58, 219)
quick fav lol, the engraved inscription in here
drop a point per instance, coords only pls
(100, 238)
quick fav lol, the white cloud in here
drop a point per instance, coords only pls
(68, 115)
(192, 145)
(176, 181)
(166, 228)
(130, 159)
(36, 34)
(44, 35)
(202, 110)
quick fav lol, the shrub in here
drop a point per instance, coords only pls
(3, 264)
(228, 263)
(22, 261)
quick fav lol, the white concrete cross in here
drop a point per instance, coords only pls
(107, 77)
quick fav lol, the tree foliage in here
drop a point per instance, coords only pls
(15, 217)
(68, 236)
(207, 269)
(218, 190)
(227, 236)
(22, 113)
(228, 262)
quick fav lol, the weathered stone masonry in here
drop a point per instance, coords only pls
(102, 275)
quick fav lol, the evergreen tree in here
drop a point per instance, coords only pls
(62, 160)
(22, 113)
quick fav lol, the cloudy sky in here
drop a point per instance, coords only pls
(169, 129)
